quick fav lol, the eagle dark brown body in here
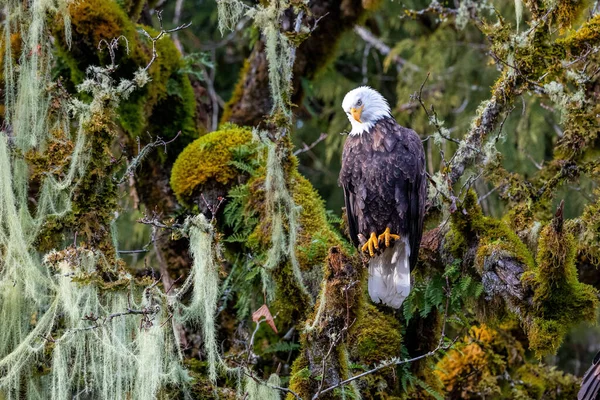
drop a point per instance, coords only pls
(383, 176)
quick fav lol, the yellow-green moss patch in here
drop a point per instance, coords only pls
(207, 158)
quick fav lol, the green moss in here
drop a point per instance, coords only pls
(479, 363)
(169, 100)
(587, 34)
(588, 243)
(560, 300)
(498, 237)
(316, 235)
(469, 224)
(290, 301)
(300, 381)
(201, 387)
(92, 22)
(519, 218)
(207, 158)
(375, 336)
(133, 8)
(567, 11)
(464, 224)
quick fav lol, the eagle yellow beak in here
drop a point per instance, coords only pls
(356, 113)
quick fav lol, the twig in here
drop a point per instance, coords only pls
(91, 317)
(172, 283)
(485, 196)
(213, 208)
(143, 153)
(112, 46)
(306, 147)
(383, 48)
(162, 33)
(155, 222)
(133, 251)
(333, 344)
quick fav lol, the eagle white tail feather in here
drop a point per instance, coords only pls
(389, 275)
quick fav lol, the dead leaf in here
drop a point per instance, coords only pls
(263, 311)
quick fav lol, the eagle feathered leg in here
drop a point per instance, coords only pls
(372, 243)
(386, 236)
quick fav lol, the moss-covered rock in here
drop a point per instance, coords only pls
(207, 158)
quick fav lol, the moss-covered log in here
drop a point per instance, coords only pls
(323, 362)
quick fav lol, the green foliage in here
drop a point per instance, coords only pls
(431, 293)
(545, 382)
(284, 347)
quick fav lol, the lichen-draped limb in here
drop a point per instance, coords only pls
(76, 308)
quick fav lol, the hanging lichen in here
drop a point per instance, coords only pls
(75, 314)
(282, 209)
(204, 282)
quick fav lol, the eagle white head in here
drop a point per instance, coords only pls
(364, 107)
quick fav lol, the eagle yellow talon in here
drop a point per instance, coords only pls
(370, 244)
(386, 236)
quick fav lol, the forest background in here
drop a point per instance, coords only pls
(171, 224)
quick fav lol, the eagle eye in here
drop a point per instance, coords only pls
(359, 102)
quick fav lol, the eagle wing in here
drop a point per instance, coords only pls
(416, 189)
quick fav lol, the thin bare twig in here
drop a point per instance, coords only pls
(142, 153)
(162, 33)
(383, 48)
(336, 340)
(306, 147)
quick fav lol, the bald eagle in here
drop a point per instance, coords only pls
(383, 176)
